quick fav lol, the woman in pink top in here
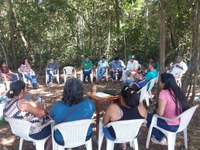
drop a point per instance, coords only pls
(171, 102)
(25, 68)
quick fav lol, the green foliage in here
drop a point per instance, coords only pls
(67, 30)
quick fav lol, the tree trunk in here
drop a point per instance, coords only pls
(117, 15)
(162, 36)
(193, 68)
(12, 28)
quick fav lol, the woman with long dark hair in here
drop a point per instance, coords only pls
(171, 103)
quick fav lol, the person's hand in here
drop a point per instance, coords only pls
(40, 104)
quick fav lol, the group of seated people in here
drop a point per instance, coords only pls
(171, 102)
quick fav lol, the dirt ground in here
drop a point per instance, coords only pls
(50, 94)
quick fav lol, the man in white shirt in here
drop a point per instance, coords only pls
(178, 68)
(101, 69)
(132, 67)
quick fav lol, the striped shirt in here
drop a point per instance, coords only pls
(12, 110)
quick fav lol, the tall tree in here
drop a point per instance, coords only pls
(162, 35)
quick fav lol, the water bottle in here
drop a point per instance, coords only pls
(39, 99)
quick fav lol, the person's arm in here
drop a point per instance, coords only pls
(111, 114)
(32, 108)
(142, 110)
(161, 107)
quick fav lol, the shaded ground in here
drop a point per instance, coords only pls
(50, 94)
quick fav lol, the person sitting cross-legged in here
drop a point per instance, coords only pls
(25, 68)
(128, 108)
(132, 67)
(87, 67)
(178, 68)
(51, 67)
(101, 68)
(139, 80)
(116, 71)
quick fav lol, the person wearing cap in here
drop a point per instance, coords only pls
(178, 68)
(140, 81)
(132, 67)
(87, 67)
(116, 71)
(101, 68)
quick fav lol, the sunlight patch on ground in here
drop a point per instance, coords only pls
(7, 141)
(3, 129)
(101, 86)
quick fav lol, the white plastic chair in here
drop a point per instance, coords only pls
(144, 94)
(91, 76)
(125, 131)
(2, 105)
(179, 80)
(21, 128)
(151, 84)
(26, 81)
(69, 71)
(74, 134)
(105, 74)
(185, 118)
(56, 75)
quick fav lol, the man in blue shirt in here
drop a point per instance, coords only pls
(51, 67)
(101, 69)
(116, 71)
(152, 71)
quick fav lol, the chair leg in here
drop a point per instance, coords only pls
(88, 144)
(149, 137)
(40, 144)
(20, 144)
(147, 98)
(109, 145)
(171, 141)
(185, 138)
(100, 138)
(135, 144)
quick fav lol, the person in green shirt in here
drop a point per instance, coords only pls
(86, 66)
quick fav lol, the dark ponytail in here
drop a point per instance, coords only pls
(15, 88)
(178, 95)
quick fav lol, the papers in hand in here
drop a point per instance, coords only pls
(102, 95)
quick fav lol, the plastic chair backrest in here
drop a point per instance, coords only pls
(20, 127)
(68, 70)
(151, 83)
(185, 117)
(143, 92)
(74, 133)
(126, 131)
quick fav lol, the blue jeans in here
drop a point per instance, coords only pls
(100, 73)
(86, 73)
(45, 132)
(13, 77)
(108, 134)
(161, 123)
(31, 78)
(50, 74)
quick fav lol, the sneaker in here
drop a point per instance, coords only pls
(162, 142)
